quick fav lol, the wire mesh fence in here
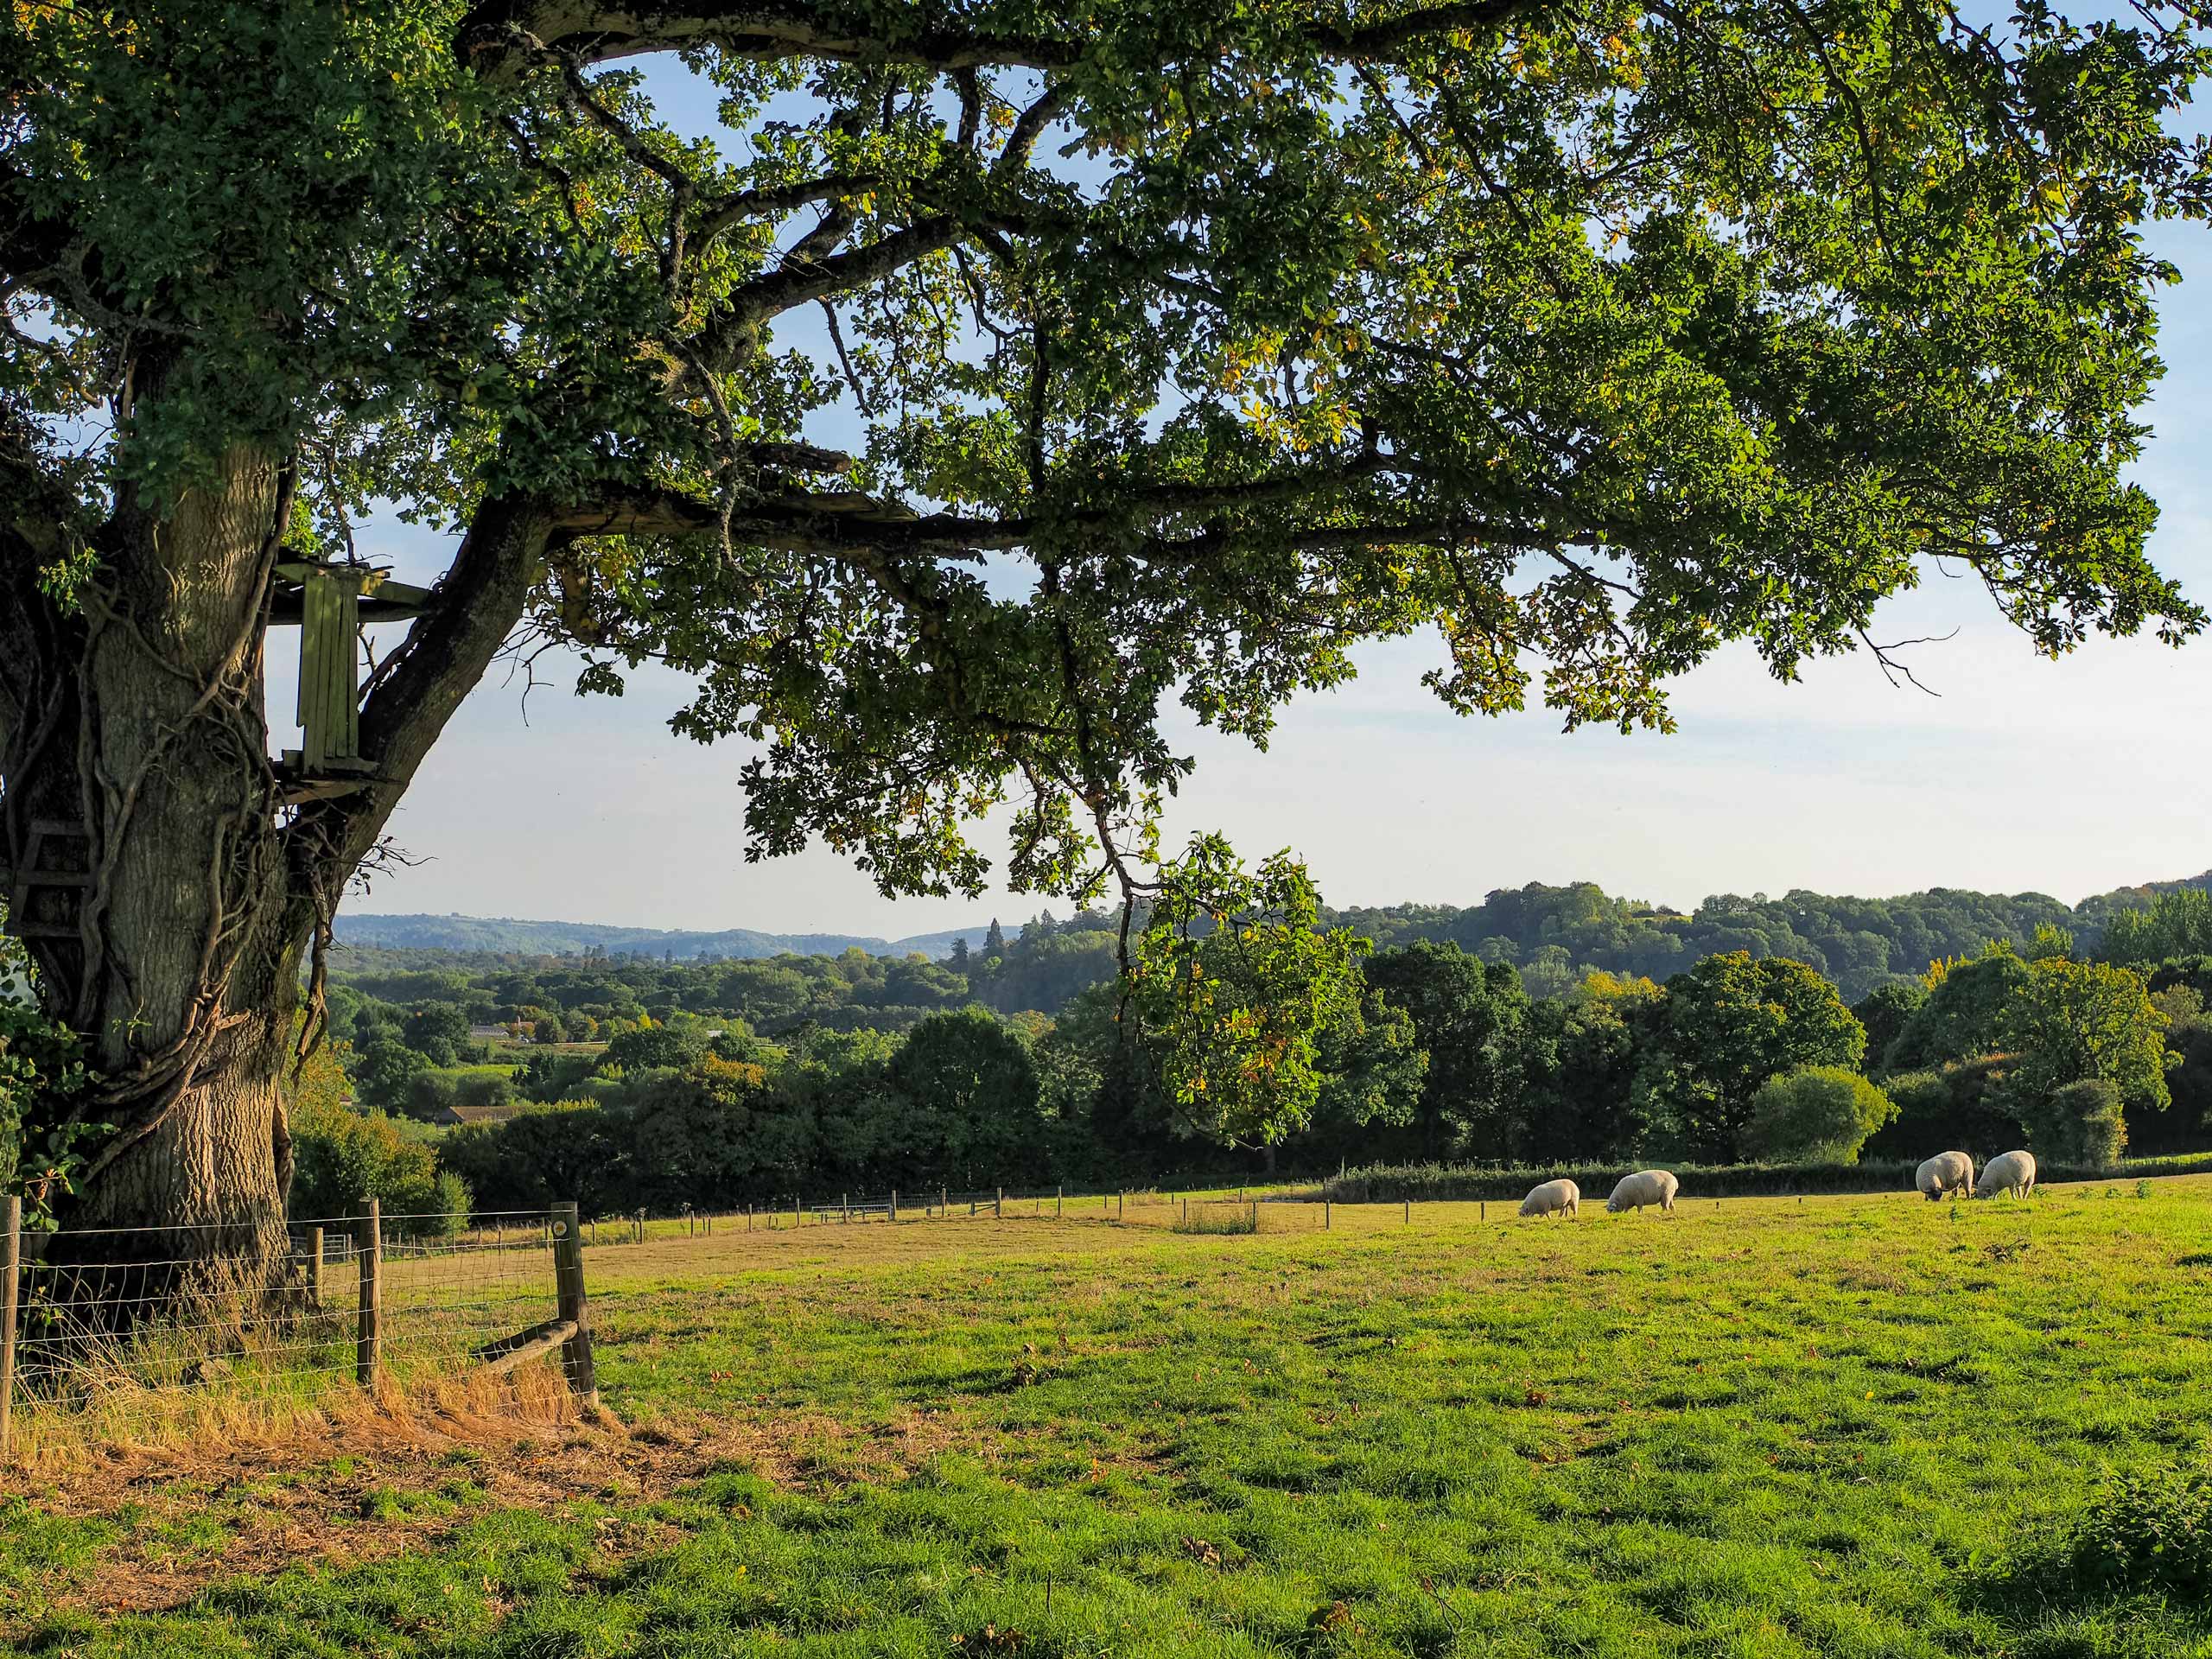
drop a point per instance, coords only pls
(106, 1315)
(1213, 1210)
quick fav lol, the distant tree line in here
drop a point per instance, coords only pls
(1558, 934)
(1434, 1054)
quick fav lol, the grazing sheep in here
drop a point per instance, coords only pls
(1944, 1175)
(1554, 1199)
(1646, 1186)
(2013, 1173)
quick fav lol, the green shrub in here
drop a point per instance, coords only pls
(443, 1209)
(1960, 1103)
(1817, 1114)
(430, 1093)
(488, 1087)
(573, 1151)
(2145, 1534)
(341, 1157)
(42, 1074)
(2081, 1123)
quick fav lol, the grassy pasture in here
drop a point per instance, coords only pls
(1830, 1427)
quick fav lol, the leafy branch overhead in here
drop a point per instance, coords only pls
(1189, 345)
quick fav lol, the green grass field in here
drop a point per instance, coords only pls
(1846, 1426)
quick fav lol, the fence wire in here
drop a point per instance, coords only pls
(94, 1319)
(117, 1311)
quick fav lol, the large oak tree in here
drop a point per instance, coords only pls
(1194, 343)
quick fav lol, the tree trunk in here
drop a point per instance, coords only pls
(174, 951)
(175, 889)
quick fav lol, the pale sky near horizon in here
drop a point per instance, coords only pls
(2067, 777)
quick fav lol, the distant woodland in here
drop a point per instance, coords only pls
(1546, 1026)
(1554, 935)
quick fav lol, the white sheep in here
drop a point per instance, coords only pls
(1646, 1186)
(1944, 1175)
(2012, 1172)
(1554, 1199)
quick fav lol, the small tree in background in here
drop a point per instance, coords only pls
(341, 1157)
(1238, 990)
(699, 1136)
(1727, 1025)
(965, 1102)
(1466, 1015)
(653, 1048)
(2075, 1021)
(1577, 1099)
(1816, 1115)
(1964, 1011)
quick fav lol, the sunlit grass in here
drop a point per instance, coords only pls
(1767, 1428)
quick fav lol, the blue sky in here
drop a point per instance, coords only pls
(2068, 777)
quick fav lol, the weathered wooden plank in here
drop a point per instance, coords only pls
(329, 653)
(346, 724)
(509, 1352)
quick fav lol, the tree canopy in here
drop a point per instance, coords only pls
(1186, 346)
(1598, 336)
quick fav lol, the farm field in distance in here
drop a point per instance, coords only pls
(1842, 1426)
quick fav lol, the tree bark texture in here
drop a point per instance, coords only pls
(164, 887)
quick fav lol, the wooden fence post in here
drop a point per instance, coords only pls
(795, 1211)
(315, 1267)
(1482, 1209)
(11, 1257)
(568, 1289)
(641, 1226)
(846, 1200)
(1118, 1198)
(894, 1203)
(944, 1205)
(1409, 1213)
(367, 1337)
(998, 1206)
(1326, 1219)
(1060, 1198)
